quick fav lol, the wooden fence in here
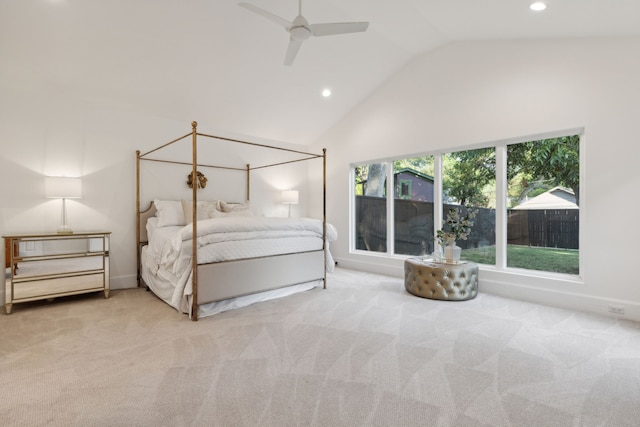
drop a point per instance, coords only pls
(413, 227)
(548, 228)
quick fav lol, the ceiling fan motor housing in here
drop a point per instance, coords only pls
(300, 33)
(300, 29)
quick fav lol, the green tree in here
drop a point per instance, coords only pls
(360, 179)
(467, 173)
(548, 162)
(421, 164)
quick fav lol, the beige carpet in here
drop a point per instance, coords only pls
(362, 352)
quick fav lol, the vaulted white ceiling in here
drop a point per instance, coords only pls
(220, 64)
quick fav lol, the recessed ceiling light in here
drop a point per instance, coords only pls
(538, 6)
(326, 93)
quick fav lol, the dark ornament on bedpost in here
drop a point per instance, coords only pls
(202, 180)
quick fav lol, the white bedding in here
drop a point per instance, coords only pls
(167, 258)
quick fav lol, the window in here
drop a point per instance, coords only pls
(413, 210)
(539, 208)
(404, 189)
(543, 195)
(469, 183)
(371, 207)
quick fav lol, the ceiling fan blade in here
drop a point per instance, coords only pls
(292, 51)
(270, 16)
(338, 28)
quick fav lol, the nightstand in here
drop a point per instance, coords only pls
(53, 265)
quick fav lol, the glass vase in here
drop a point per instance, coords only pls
(452, 252)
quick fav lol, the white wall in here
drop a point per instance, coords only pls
(44, 132)
(466, 94)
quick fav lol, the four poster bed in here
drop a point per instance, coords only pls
(237, 258)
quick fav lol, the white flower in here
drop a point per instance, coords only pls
(457, 228)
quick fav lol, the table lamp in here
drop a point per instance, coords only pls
(63, 188)
(290, 197)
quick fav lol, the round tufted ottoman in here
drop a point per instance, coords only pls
(453, 282)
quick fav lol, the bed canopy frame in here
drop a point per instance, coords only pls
(141, 238)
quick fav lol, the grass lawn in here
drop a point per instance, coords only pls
(532, 258)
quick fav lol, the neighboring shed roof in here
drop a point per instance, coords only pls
(556, 198)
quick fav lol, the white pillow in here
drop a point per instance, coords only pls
(234, 207)
(218, 214)
(204, 209)
(169, 213)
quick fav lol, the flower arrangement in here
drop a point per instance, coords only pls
(457, 227)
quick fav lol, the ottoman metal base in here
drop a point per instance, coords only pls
(452, 282)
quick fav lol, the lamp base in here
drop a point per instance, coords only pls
(65, 231)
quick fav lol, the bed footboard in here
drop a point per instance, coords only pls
(229, 279)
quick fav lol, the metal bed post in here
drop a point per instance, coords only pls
(324, 214)
(248, 182)
(194, 238)
(138, 260)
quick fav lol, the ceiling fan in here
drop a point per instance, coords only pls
(299, 29)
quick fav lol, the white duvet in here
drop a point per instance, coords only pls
(222, 239)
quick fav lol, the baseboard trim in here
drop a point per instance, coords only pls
(123, 282)
(560, 299)
(385, 267)
(506, 285)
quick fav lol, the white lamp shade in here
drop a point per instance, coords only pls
(62, 188)
(290, 197)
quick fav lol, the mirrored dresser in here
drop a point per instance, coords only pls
(50, 265)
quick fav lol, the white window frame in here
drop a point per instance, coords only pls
(501, 200)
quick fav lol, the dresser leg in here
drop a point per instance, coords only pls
(106, 293)
(7, 308)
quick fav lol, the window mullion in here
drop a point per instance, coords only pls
(352, 208)
(390, 209)
(501, 206)
(437, 193)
